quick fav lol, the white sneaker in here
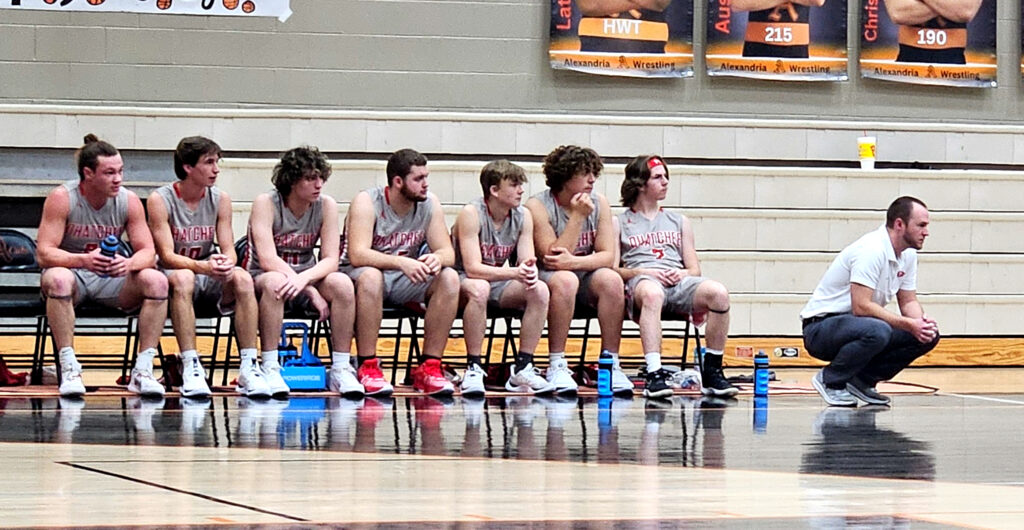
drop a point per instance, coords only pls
(341, 378)
(278, 387)
(560, 376)
(621, 383)
(473, 381)
(144, 384)
(194, 379)
(528, 380)
(71, 384)
(251, 382)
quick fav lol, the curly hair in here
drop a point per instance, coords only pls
(567, 161)
(88, 155)
(401, 162)
(299, 163)
(190, 150)
(638, 171)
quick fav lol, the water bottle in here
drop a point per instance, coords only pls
(108, 246)
(760, 414)
(604, 413)
(761, 374)
(604, 374)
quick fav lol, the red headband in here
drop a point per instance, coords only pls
(654, 162)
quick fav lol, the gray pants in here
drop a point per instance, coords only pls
(863, 347)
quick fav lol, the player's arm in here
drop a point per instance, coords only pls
(51, 231)
(604, 241)
(955, 10)
(144, 256)
(467, 229)
(261, 231)
(438, 240)
(909, 12)
(225, 234)
(330, 243)
(691, 262)
(525, 250)
(163, 241)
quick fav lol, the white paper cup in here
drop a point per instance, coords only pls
(866, 152)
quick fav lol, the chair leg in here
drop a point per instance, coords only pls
(211, 367)
(227, 351)
(414, 348)
(38, 352)
(398, 346)
(586, 338)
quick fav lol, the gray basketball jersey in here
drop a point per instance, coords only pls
(86, 226)
(651, 243)
(559, 218)
(496, 244)
(193, 231)
(294, 237)
(394, 235)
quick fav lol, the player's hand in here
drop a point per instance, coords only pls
(560, 259)
(221, 267)
(581, 204)
(97, 262)
(415, 270)
(924, 330)
(117, 267)
(323, 309)
(432, 262)
(668, 277)
(527, 272)
(291, 287)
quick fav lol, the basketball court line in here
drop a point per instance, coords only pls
(982, 398)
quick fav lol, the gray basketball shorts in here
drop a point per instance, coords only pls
(209, 291)
(678, 298)
(399, 290)
(103, 290)
(497, 288)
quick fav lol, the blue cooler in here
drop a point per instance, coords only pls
(300, 369)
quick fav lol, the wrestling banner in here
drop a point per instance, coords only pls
(929, 42)
(598, 37)
(790, 40)
(251, 8)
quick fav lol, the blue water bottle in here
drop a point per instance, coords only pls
(604, 374)
(760, 414)
(108, 246)
(761, 374)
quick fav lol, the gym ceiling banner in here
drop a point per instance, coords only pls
(279, 9)
(607, 37)
(790, 40)
(929, 42)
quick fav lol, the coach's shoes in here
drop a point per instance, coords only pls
(372, 379)
(473, 381)
(837, 397)
(341, 379)
(71, 384)
(428, 379)
(866, 392)
(529, 381)
(713, 381)
(144, 384)
(251, 382)
(560, 376)
(272, 373)
(193, 379)
(656, 384)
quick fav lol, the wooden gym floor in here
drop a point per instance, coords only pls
(944, 459)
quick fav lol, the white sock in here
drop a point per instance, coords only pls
(339, 358)
(269, 358)
(653, 359)
(709, 351)
(67, 354)
(188, 355)
(145, 359)
(556, 356)
(615, 359)
(247, 354)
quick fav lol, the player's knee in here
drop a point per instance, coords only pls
(154, 283)
(243, 283)
(340, 287)
(563, 285)
(370, 284)
(475, 292)
(538, 295)
(448, 280)
(653, 298)
(182, 282)
(57, 282)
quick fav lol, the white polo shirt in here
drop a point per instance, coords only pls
(869, 261)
